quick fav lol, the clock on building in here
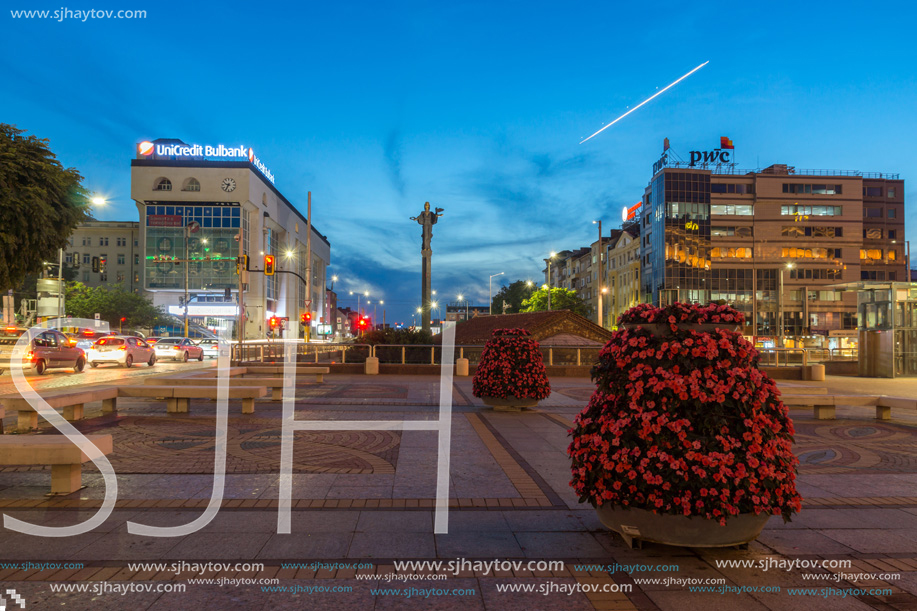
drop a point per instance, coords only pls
(228, 185)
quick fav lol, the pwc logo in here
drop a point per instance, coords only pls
(251, 155)
(145, 148)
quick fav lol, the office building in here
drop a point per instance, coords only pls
(200, 208)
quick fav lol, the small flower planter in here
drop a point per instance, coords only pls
(511, 375)
(509, 404)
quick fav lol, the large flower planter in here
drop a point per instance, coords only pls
(638, 525)
(509, 404)
(685, 441)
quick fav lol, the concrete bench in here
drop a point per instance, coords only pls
(65, 458)
(275, 384)
(318, 372)
(211, 373)
(71, 402)
(825, 406)
(178, 397)
(791, 389)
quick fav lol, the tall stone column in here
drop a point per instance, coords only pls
(426, 219)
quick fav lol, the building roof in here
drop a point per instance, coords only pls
(558, 327)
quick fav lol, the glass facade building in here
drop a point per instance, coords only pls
(212, 249)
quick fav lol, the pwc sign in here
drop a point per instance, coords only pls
(720, 155)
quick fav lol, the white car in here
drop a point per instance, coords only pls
(178, 349)
(211, 348)
(123, 350)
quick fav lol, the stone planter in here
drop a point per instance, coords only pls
(509, 404)
(637, 525)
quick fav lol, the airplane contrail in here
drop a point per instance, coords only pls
(646, 100)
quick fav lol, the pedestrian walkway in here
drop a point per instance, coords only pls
(363, 501)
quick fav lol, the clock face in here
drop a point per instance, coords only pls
(229, 185)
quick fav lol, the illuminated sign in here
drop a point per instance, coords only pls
(720, 155)
(660, 164)
(628, 214)
(178, 149)
(691, 225)
(205, 310)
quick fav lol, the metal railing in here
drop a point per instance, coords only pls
(794, 357)
(306, 353)
(431, 354)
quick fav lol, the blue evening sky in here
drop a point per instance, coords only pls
(477, 107)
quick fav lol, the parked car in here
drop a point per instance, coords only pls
(124, 350)
(211, 348)
(48, 349)
(178, 349)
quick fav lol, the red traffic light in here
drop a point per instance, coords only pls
(123, 318)
(268, 265)
(362, 322)
(307, 316)
(273, 322)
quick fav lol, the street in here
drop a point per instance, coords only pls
(103, 374)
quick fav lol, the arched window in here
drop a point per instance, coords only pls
(162, 184)
(191, 184)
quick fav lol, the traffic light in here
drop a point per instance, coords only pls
(102, 261)
(274, 322)
(362, 323)
(95, 265)
(268, 265)
(241, 263)
(306, 318)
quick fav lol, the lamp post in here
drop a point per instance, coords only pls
(491, 309)
(460, 299)
(548, 261)
(599, 288)
(781, 330)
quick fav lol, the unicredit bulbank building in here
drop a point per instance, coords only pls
(224, 193)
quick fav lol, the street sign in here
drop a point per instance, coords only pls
(98, 317)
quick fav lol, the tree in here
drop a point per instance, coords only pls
(513, 294)
(561, 299)
(112, 304)
(41, 203)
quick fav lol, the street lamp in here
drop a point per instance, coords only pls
(491, 309)
(548, 261)
(460, 298)
(599, 288)
(782, 338)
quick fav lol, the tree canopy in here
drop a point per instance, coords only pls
(41, 203)
(112, 304)
(513, 294)
(561, 299)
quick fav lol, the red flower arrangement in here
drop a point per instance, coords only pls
(511, 366)
(684, 423)
(682, 313)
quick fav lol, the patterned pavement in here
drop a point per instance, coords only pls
(368, 496)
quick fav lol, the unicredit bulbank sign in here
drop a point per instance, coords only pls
(158, 150)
